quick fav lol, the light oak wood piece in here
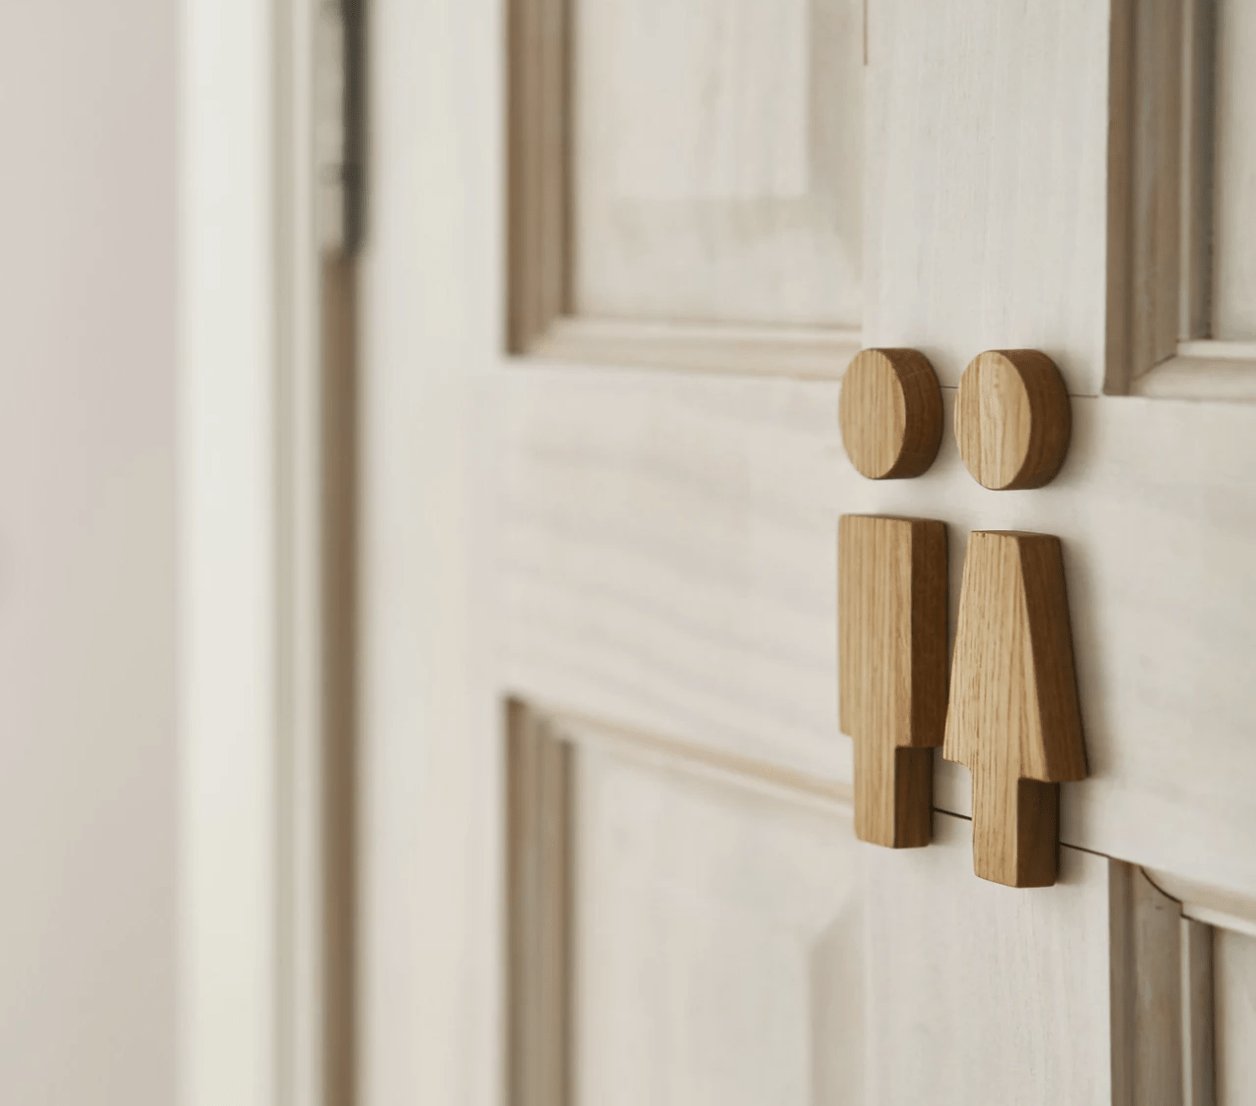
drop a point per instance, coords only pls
(891, 413)
(1013, 716)
(1012, 419)
(892, 629)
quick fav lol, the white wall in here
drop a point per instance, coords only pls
(87, 552)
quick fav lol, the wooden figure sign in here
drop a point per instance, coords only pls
(892, 602)
(1012, 715)
(892, 643)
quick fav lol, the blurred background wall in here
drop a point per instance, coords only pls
(87, 552)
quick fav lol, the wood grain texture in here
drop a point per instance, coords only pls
(1012, 419)
(1013, 717)
(660, 550)
(763, 350)
(1078, 987)
(703, 897)
(984, 232)
(891, 413)
(892, 649)
(718, 938)
(650, 227)
(669, 548)
(431, 1002)
(717, 160)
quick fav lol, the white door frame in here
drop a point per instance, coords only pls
(250, 730)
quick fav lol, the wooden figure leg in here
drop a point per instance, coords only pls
(1016, 840)
(892, 644)
(1013, 715)
(893, 794)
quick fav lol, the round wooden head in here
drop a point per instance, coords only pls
(1012, 419)
(891, 413)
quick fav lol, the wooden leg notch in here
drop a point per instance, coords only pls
(1013, 716)
(893, 794)
(892, 646)
(1016, 842)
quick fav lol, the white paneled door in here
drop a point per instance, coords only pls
(620, 255)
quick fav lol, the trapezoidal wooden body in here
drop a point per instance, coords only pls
(1013, 715)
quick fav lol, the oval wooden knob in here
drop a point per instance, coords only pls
(891, 413)
(1012, 419)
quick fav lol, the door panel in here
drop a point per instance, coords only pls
(718, 939)
(684, 183)
(643, 558)
(1086, 990)
(670, 558)
(717, 163)
(687, 929)
(987, 161)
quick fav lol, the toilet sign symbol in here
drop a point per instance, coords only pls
(1010, 712)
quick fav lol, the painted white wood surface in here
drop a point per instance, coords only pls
(1234, 958)
(718, 160)
(977, 995)
(986, 198)
(431, 718)
(1234, 184)
(670, 562)
(719, 942)
(1076, 994)
(659, 550)
(733, 942)
(251, 844)
(726, 348)
(229, 970)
